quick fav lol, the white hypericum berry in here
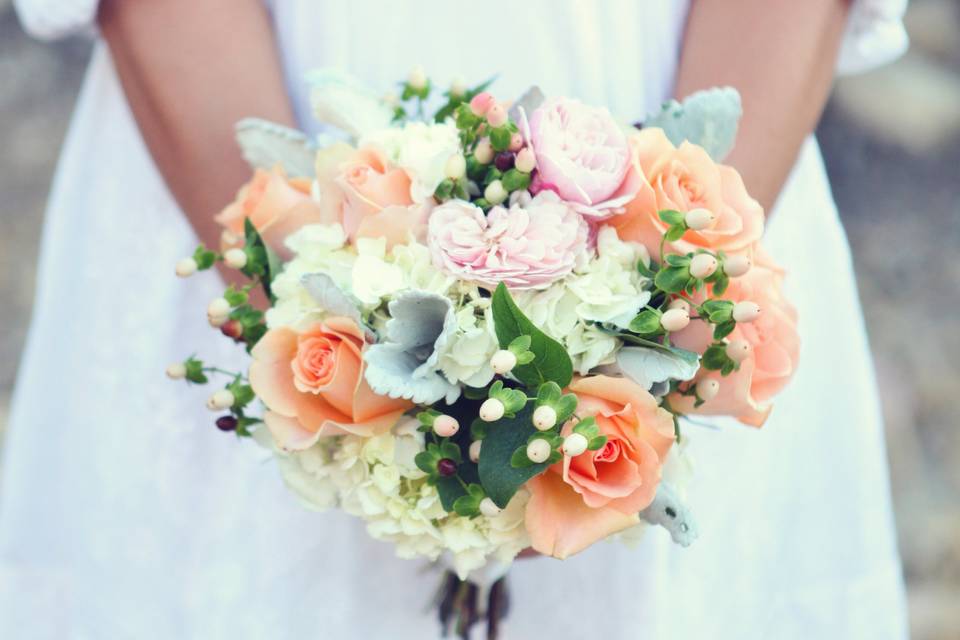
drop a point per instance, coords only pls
(390, 99)
(738, 350)
(186, 267)
(489, 508)
(544, 418)
(703, 265)
(574, 444)
(516, 143)
(736, 266)
(445, 426)
(484, 151)
(497, 115)
(474, 450)
(235, 258)
(492, 410)
(707, 389)
(417, 78)
(456, 167)
(679, 303)
(503, 361)
(176, 371)
(699, 219)
(458, 87)
(539, 450)
(746, 311)
(495, 193)
(675, 319)
(220, 400)
(525, 160)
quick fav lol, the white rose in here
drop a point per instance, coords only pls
(590, 347)
(420, 149)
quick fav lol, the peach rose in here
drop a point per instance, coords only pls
(312, 384)
(584, 499)
(276, 206)
(775, 348)
(376, 199)
(684, 178)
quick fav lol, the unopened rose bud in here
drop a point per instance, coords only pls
(177, 371)
(456, 167)
(736, 266)
(746, 311)
(417, 78)
(503, 361)
(492, 410)
(707, 389)
(538, 450)
(495, 193)
(186, 267)
(474, 451)
(496, 116)
(484, 151)
(703, 265)
(525, 161)
(516, 142)
(489, 508)
(481, 103)
(445, 426)
(220, 400)
(675, 319)
(544, 418)
(699, 219)
(235, 258)
(574, 444)
(738, 350)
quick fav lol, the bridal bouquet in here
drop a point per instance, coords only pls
(486, 321)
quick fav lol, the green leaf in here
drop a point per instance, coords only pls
(500, 139)
(551, 361)
(675, 232)
(587, 427)
(467, 506)
(514, 180)
(597, 443)
(519, 459)
(261, 260)
(677, 260)
(233, 297)
(204, 258)
(520, 344)
(671, 216)
(450, 450)
(718, 310)
(646, 322)
(425, 462)
(242, 393)
(195, 372)
(500, 479)
(672, 279)
(715, 357)
(721, 284)
(644, 270)
(724, 329)
(444, 190)
(548, 394)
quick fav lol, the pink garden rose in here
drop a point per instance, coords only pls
(588, 497)
(775, 348)
(685, 178)
(525, 247)
(583, 155)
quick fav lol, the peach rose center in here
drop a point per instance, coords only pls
(315, 363)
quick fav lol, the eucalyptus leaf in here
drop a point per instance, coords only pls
(331, 298)
(265, 144)
(648, 366)
(528, 102)
(500, 479)
(706, 118)
(670, 513)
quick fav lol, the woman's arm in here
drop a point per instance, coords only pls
(190, 71)
(780, 55)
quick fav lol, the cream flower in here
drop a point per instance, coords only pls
(373, 277)
(466, 358)
(420, 149)
(590, 347)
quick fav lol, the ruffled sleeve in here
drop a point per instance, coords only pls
(52, 19)
(875, 35)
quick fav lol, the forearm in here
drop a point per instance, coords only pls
(780, 55)
(190, 69)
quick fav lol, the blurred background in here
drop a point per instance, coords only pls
(891, 139)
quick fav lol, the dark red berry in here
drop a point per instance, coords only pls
(232, 329)
(226, 423)
(504, 161)
(446, 467)
(638, 124)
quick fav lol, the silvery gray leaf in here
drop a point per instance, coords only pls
(707, 118)
(406, 364)
(530, 100)
(647, 366)
(330, 297)
(341, 100)
(667, 511)
(266, 144)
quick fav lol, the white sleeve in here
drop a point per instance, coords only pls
(875, 35)
(52, 19)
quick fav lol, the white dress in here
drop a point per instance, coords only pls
(126, 514)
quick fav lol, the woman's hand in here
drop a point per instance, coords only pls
(780, 55)
(190, 71)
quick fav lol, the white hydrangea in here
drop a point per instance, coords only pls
(466, 358)
(374, 276)
(420, 149)
(590, 347)
(377, 480)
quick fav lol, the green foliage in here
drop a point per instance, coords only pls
(242, 393)
(671, 216)
(455, 104)
(204, 258)
(234, 297)
(672, 279)
(195, 372)
(500, 479)
(550, 362)
(514, 180)
(715, 358)
(513, 399)
(550, 394)
(468, 505)
(647, 322)
(262, 262)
